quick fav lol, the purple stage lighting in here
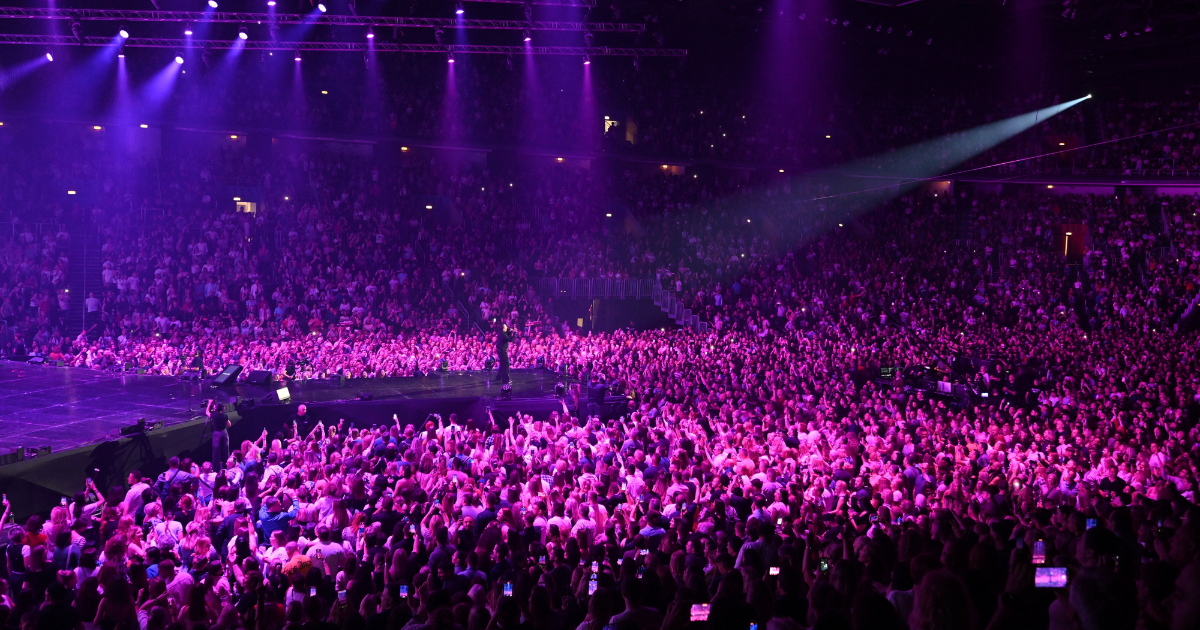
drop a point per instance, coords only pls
(270, 3)
(458, 9)
(370, 33)
(49, 57)
(10, 76)
(321, 7)
(297, 55)
(527, 36)
(212, 3)
(450, 58)
(123, 33)
(242, 34)
(187, 31)
(587, 60)
(179, 58)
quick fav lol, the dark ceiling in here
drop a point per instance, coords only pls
(1132, 45)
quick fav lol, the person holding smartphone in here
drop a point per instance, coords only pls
(636, 613)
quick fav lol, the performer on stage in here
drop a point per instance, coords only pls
(503, 337)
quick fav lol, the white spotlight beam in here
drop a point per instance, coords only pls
(933, 157)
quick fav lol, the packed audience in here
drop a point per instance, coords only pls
(794, 466)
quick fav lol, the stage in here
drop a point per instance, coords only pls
(65, 408)
(79, 413)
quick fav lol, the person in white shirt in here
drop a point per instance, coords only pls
(559, 519)
(583, 522)
(278, 553)
(133, 498)
(328, 555)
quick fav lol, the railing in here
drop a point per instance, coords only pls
(37, 229)
(1163, 254)
(1097, 172)
(597, 288)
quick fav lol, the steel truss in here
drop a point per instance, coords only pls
(192, 44)
(198, 17)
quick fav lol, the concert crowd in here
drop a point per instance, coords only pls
(774, 469)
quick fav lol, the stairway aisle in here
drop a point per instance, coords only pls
(84, 277)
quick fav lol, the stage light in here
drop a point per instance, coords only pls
(587, 60)
(429, 207)
(49, 57)
(450, 57)
(321, 7)
(144, 126)
(97, 127)
(270, 3)
(458, 9)
(370, 33)
(187, 30)
(297, 55)
(404, 149)
(179, 58)
(438, 35)
(70, 192)
(558, 159)
(212, 3)
(527, 36)
(325, 92)
(233, 137)
(123, 33)
(77, 31)
(242, 34)
(237, 198)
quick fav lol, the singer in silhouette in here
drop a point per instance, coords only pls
(504, 336)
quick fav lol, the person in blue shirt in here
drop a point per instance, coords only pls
(271, 517)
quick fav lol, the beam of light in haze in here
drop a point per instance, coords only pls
(864, 183)
(937, 156)
(532, 100)
(122, 101)
(158, 89)
(451, 122)
(793, 56)
(78, 93)
(299, 101)
(10, 76)
(374, 78)
(590, 123)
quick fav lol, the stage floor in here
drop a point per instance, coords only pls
(65, 408)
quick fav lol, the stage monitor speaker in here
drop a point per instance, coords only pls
(281, 395)
(259, 377)
(228, 376)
